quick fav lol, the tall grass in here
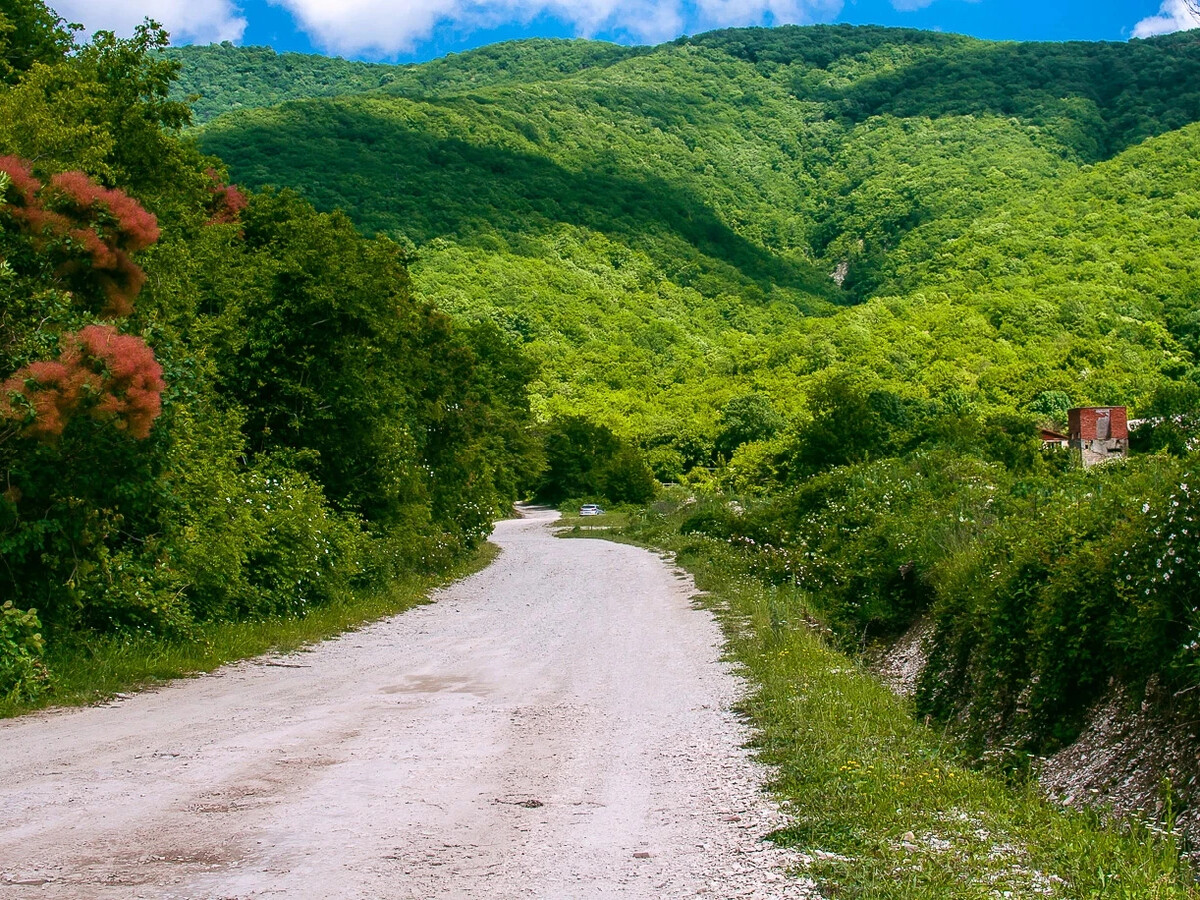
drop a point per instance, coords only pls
(883, 806)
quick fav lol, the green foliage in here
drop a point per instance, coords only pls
(750, 417)
(1094, 98)
(1052, 406)
(321, 432)
(586, 460)
(1043, 585)
(1064, 595)
(658, 226)
(30, 33)
(850, 423)
(22, 675)
(221, 77)
(899, 188)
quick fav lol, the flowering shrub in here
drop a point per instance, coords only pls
(226, 202)
(110, 376)
(864, 541)
(91, 230)
(1159, 574)
(1087, 584)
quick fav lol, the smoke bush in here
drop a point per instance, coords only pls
(113, 377)
(227, 202)
(90, 228)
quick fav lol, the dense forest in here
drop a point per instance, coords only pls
(839, 276)
(216, 405)
(827, 283)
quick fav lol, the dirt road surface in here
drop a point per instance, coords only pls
(556, 726)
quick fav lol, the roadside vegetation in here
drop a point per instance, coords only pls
(882, 804)
(217, 407)
(93, 667)
(1042, 590)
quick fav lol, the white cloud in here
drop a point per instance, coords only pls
(1173, 15)
(201, 21)
(386, 27)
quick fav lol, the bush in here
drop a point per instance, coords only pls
(1044, 586)
(715, 521)
(1093, 583)
(22, 675)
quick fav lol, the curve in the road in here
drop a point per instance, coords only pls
(556, 726)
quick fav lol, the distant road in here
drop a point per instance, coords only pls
(556, 726)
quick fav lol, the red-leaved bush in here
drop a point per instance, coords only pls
(22, 183)
(110, 376)
(90, 227)
(124, 222)
(226, 203)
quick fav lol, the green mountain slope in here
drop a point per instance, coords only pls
(661, 225)
(1084, 286)
(221, 77)
(224, 77)
(1095, 98)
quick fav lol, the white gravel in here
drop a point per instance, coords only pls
(557, 726)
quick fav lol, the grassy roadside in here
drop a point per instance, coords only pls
(883, 806)
(607, 521)
(89, 671)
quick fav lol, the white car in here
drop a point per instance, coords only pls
(590, 509)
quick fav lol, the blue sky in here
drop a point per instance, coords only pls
(418, 30)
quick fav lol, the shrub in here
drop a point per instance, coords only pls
(22, 675)
(89, 230)
(1091, 582)
(113, 377)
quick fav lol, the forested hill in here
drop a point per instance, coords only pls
(660, 225)
(830, 281)
(222, 77)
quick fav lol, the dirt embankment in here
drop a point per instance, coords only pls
(1137, 760)
(557, 726)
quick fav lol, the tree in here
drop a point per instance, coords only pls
(577, 450)
(30, 32)
(750, 417)
(584, 459)
(851, 422)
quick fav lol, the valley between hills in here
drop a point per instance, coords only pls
(805, 307)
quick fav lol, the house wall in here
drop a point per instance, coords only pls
(1099, 433)
(1092, 423)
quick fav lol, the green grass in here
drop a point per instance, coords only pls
(91, 670)
(607, 520)
(885, 806)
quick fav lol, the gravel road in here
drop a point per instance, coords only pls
(556, 726)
